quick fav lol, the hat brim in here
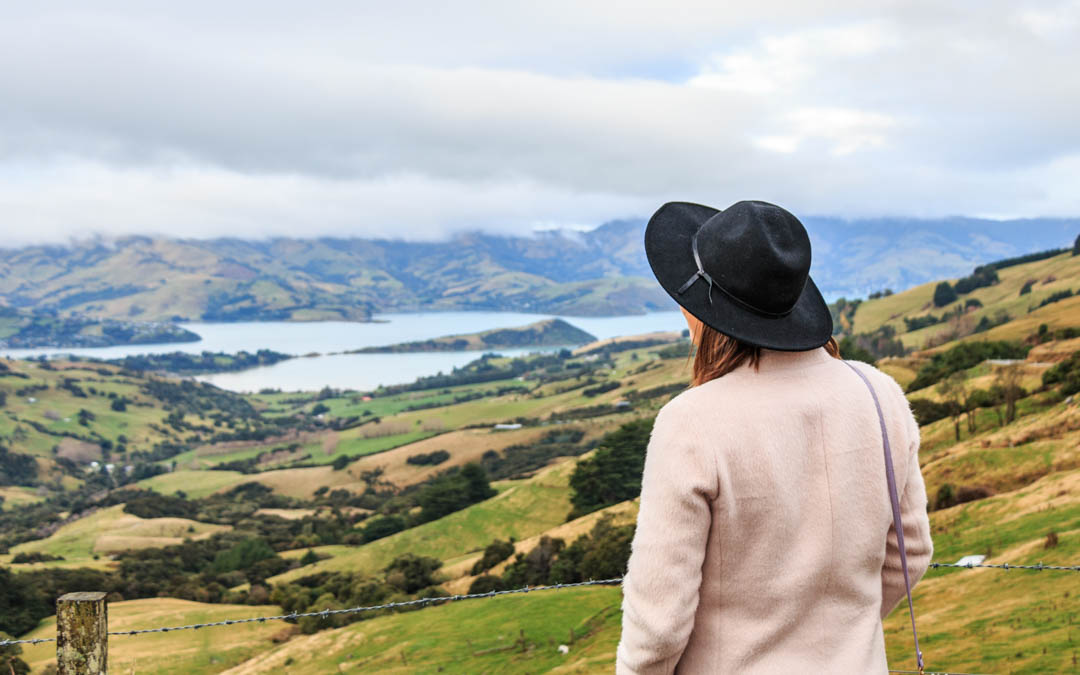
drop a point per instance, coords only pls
(668, 239)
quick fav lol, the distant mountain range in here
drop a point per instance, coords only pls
(599, 272)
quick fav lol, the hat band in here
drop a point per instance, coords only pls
(702, 274)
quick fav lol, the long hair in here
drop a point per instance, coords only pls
(718, 354)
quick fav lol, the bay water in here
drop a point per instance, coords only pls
(356, 371)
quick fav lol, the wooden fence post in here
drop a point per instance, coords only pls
(82, 634)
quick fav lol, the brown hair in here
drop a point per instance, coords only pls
(718, 354)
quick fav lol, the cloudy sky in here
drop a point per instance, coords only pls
(418, 119)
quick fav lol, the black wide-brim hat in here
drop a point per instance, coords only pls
(743, 271)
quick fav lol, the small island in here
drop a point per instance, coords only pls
(20, 329)
(546, 333)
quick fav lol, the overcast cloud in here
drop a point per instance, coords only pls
(416, 120)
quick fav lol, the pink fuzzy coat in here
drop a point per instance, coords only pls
(764, 542)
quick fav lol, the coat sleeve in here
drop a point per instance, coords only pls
(916, 524)
(660, 590)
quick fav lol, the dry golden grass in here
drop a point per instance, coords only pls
(287, 514)
(209, 650)
(110, 529)
(1053, 352)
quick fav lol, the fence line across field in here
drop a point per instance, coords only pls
(89, 630)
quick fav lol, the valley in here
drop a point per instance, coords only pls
(220, 505)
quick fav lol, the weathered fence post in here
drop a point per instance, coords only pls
(82, 634)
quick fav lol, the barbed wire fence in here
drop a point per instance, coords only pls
(421, 602)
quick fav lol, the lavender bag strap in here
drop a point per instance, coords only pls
(890, 475)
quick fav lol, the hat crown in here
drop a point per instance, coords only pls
(758, 253)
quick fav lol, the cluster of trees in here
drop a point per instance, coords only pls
(475, 372)
(869, 347)
(428, 458)
(407, 576)
(964, 356)
(959, 398)
(600, 554)
(206, 362)
(601, 388)
(17, 469)
(517, 461)
(1052, 298)
(987, 322)
(450, 491)
(946, 293)
(1066, 373)
(982, 277)
(613, 474)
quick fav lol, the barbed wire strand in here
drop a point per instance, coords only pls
(469, 596)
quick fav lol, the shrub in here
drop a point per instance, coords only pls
(428, 458)
(495, 552)
(1026, 288)
(947, 495)
(486, 584)
(1056, 297)
(600, 389)
(964, 356)
(383, 526)
(410, 573)
(916, 322)
(35, 557)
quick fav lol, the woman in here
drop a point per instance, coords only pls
(765, 541)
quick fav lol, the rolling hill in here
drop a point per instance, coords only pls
(1008, 490)
(598, 272)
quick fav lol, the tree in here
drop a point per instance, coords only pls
(1076, 245)
(944, 294)
(1008, 379)
(954, 390)
(22, 605)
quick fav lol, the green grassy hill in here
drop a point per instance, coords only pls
(1009, 491)
(1056, 274)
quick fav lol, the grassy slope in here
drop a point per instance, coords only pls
(109, 530)
(1037, 488)
(1004, 295)
(17, 496)
(475, 636)
(210, 650)
(521, 510)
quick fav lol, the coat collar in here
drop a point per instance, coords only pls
(772, 360)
